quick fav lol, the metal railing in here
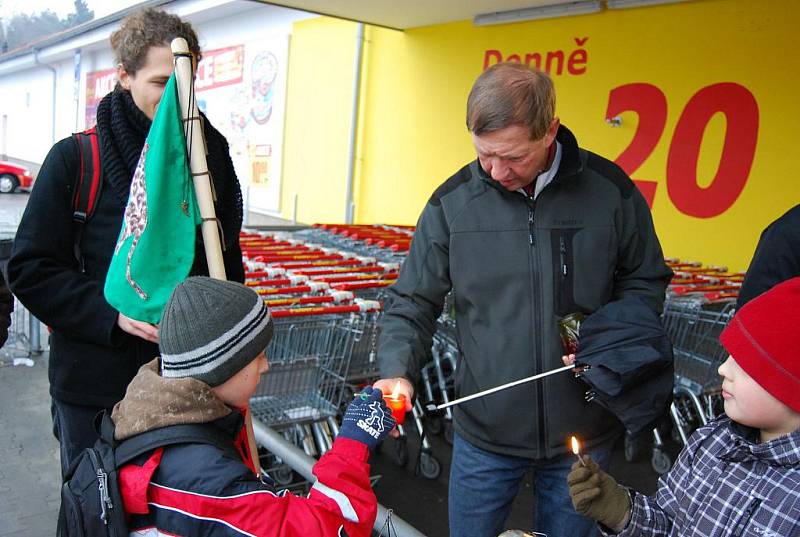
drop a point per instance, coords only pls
(302, 464)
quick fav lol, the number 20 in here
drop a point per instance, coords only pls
(741, 133)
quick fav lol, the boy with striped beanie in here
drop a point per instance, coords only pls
(213, 337)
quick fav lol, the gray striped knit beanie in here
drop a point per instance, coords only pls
(211, 329)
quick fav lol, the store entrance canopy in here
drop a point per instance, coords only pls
(416, 13)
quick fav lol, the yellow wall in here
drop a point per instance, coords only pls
(319, 90)
(412, 133)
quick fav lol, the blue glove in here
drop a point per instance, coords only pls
(367, 419)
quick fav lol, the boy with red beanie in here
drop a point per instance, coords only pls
(740, 474)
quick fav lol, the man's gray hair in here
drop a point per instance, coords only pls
(511, 94)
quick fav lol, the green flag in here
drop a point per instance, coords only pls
(155, 248)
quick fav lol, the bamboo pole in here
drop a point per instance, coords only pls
(193, 128)
(195, 142)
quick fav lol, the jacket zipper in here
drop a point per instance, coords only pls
(106, 504)
(746, 516)
(562, 253)
(531, 203)
(531, 233)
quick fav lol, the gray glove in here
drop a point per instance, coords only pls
(596, 495)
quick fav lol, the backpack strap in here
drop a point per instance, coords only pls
(129, 449)
(87, 186)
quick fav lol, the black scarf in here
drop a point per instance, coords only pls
(122, 129)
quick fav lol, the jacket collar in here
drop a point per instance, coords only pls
(152, 402)
(743, 447)
(571, 162)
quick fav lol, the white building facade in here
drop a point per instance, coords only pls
(52, 89)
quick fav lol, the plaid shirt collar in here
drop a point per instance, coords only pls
(743, 446)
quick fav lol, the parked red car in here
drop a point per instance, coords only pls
(13, 176)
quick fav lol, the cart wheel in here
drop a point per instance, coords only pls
(283, 475)
(429, 466)
(401, 450)
(661, 462)
(433, 424)
(448, 432)
(633, 448)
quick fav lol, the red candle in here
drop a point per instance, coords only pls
(397, 403)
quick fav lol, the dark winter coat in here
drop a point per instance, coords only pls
(91, 359)
(515, 264)
(777, 257)
(205, 490)
(631, 365)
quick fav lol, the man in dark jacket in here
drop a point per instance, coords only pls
(533, 230)
(94, 350)
(776, 259)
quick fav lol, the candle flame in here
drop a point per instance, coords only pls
(396, 391)
(576, 446)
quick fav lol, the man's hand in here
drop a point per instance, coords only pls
(596, 495)
(387, 386)
(136, 328)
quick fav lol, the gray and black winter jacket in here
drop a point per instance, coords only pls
(516, 265)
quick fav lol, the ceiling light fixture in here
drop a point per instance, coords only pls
(541, 12)
(625, 4)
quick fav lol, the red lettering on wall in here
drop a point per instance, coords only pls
(555, 55)
(490, 55)
(650, 104)
(576, 60)
(740, 109)
(535, 57)
(741, 114)
(576, 64)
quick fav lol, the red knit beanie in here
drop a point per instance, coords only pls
(764, 339)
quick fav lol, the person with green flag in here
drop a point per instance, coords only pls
(155, 249)
(97, 344)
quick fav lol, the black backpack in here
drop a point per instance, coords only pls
(91, 503)
(87, 186)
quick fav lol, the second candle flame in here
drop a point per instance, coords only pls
(396, 391)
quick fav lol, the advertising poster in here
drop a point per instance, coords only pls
(98, 85)
(242, 90)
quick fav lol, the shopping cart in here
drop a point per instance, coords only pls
(308, 358)
(694, 324)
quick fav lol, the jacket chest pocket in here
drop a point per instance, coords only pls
(583, 268)
(562, 256)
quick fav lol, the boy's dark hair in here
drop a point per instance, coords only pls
(149, 28)
(509, 94)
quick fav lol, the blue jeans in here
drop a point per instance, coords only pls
(73, 427)
(483, 486)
